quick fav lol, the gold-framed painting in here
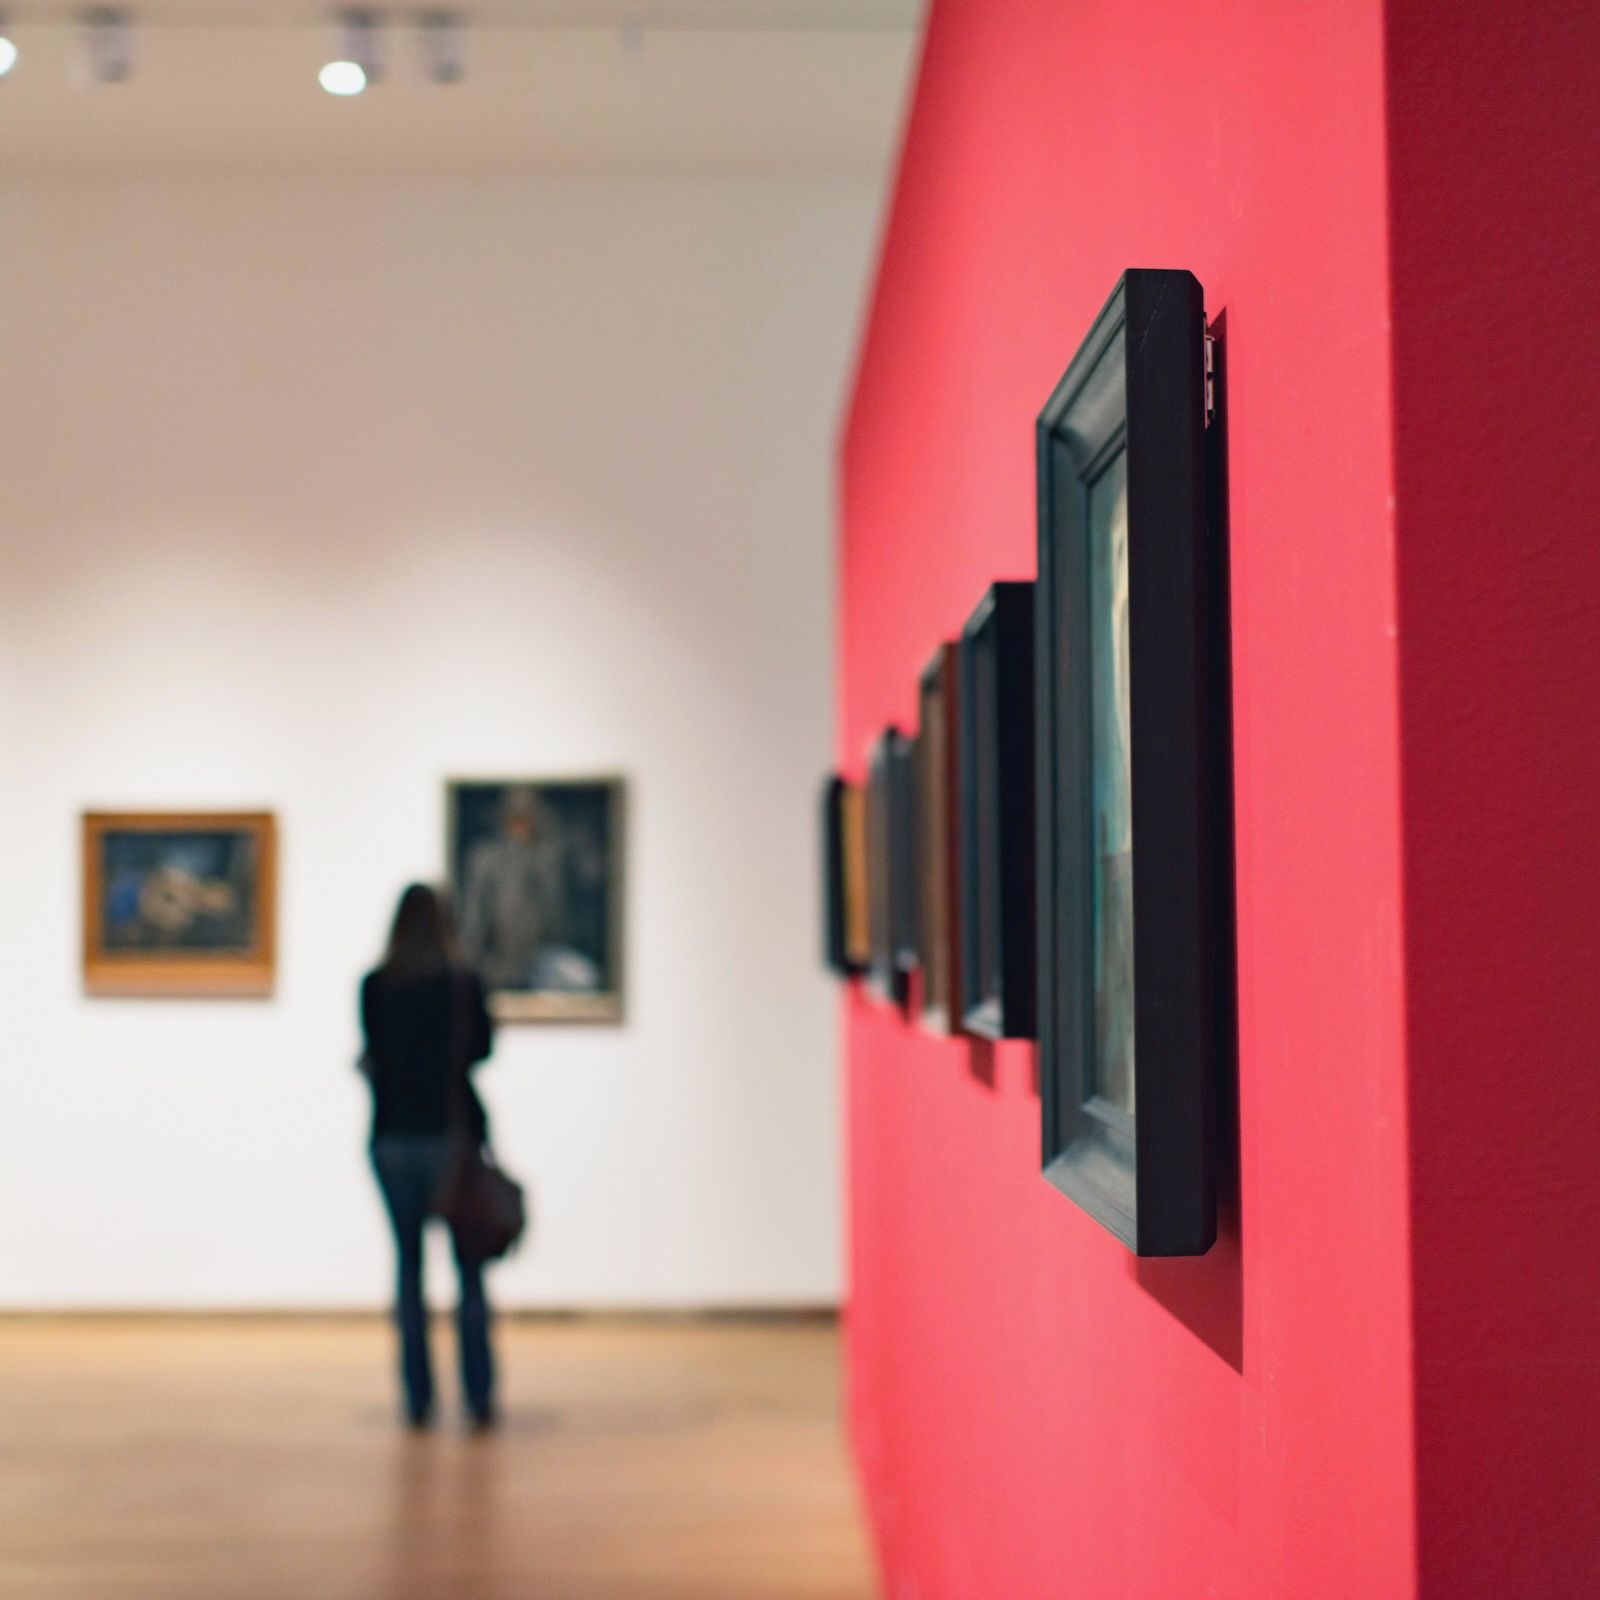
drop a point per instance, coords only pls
(844, 878)
(537, 867)
(180, 904)
(939, 844)
(853, 829)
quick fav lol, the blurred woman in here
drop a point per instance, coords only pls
(426, 1026)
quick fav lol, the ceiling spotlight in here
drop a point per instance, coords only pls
(443, 36)
(343, 78)
(8, 49)
(107, 44)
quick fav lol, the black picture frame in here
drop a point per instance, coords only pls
(997, 800)
(891, 868)
(838, 954)
(1141, 1157)
(938, 795)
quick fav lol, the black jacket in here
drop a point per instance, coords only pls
(409, 1026)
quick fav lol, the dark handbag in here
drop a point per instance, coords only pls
(482, 1204)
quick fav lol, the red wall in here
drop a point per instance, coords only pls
(1415, 568)
(1035, 1414)
(1495, 206)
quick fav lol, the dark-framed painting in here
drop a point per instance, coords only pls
(180, 904)
(938, 852)
(1134, 778)
(853, 827)
(891, 868)
(537, 868)
(844, 890)
(999, 937)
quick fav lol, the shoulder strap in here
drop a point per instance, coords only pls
(460, 1048)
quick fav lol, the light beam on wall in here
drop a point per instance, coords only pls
(107, 39)
(442, 36)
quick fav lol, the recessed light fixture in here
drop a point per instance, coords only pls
(8, 48)
(343, 78)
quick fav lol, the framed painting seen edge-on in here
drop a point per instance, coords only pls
(843, 940)
(996, 815)
(1132, 775)
(938, 843)
(891, 868)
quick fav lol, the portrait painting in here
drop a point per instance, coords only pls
(536, 865)
(179, 903)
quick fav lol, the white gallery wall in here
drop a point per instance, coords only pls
(314, 493)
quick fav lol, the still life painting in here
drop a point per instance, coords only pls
(179, 903)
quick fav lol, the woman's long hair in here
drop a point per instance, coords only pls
(422, 941)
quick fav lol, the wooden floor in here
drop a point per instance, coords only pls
(221, 1460)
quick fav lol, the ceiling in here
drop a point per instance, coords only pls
(788, 87)
(805, 15)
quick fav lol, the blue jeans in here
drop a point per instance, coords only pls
(409, 1168)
